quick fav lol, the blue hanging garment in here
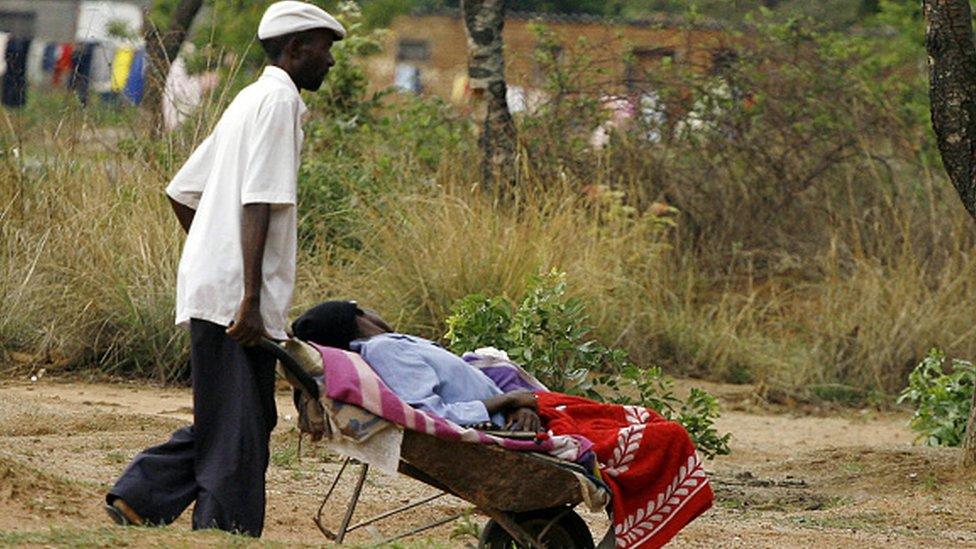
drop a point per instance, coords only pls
(15, 78)
(50, 56)
(134, 84)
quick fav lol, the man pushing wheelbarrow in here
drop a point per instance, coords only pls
(235, 198)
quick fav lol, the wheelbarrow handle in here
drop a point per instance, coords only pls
(289, 363)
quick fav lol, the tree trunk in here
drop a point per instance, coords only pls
(952, 93)
(969, 442)
(161, 50)
(483, 21)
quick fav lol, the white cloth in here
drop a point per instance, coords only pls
(4, 40)
(381, 450)
(515, 97)
(252, 156)
(291, 16)
(101, 68)
(181, 96)
(35, 61)
(407, 78)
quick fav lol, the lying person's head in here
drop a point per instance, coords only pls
(337, 323)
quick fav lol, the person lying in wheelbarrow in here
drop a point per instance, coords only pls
(421, 373)
(649, 463)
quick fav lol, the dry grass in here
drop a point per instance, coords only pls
(89, 252)
(423, 252)
(90, 255)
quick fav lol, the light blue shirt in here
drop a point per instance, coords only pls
(429, 377)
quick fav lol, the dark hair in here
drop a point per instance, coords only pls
(332, 324)
(274, 47)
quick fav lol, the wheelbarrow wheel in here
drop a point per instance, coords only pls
(568, 531)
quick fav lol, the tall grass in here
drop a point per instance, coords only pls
(89, 245)
(89, 256)
(786, 262)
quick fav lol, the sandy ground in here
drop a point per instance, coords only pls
(850, 479)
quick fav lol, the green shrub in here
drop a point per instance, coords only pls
(548, 334)
(942, 400)
(479, 321)
(816, 247)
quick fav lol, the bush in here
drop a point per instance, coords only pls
(942, 400)
(740, 150)
(814, 238)
(815, 248)
(356, 159)
(548, 334)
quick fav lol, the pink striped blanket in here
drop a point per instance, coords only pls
(349, 380)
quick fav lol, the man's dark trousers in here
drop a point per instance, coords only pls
(221, 460)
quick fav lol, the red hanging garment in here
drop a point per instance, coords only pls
(64, 64)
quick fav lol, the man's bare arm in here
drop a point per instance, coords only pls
(248, 328)
(184, 214)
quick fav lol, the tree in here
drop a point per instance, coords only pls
(483, 22)
(952, 93)
(161, 50)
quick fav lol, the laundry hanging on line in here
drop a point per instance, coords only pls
(15, 76)
(50, 56)
(86, 68)
(63, 64)
(4, 40)
(121, 66)
(81, 73)
(134, 84)
(35, 63)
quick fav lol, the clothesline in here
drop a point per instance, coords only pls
(105, 69)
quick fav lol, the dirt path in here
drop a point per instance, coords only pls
(791, 481)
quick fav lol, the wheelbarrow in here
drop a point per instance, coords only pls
(529, 497)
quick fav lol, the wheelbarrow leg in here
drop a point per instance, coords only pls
(518, 533)
(341, 534)
(350, 508)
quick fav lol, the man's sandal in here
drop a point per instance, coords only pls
(122, 514)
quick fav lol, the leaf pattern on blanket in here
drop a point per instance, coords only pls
(645, 522)
(628, 441)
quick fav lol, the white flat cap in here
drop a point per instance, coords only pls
(291, 16)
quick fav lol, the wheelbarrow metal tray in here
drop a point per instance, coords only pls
(489, 476)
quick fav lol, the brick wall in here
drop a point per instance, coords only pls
(437, 46)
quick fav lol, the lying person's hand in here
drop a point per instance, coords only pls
(523, 419)
(507, 402)
(522, 399)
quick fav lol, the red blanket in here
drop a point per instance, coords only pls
(650, 464)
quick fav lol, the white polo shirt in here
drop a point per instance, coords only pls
(252, 156)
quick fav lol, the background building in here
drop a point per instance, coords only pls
(427, 52)
(70, 20)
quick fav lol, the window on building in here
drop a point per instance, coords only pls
(653, 55)
(18, 23)
(723, 61)
(645, 61)
(409, 49)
